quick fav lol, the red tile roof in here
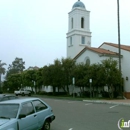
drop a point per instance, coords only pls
(123, 47)
(97, 50)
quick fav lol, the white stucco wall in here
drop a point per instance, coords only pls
(77, 14)
(125, 65)
(47, 88)
(93, 56)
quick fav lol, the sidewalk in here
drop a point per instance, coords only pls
(125, 102)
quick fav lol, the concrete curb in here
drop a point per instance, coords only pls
(107, 102)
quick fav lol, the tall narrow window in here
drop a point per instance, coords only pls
(83, 40)
(72, 23)
(82, 22)
(70, 41)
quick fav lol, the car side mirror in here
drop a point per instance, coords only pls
(22, 116)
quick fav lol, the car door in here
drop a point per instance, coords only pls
(41, 110)
(27, 117)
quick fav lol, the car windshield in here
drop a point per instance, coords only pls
(8, 110)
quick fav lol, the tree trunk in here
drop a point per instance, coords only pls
(81, 92)
(54, 90)
(111, 92)
(63, 87)
(35, 88)
(58, 89)
(93, 92)
(67, 89)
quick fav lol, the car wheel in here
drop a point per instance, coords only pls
(29, 94)
(46, 125)
(23, 94)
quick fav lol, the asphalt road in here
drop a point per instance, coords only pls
(79, 115)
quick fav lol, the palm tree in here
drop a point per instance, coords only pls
(2, 71)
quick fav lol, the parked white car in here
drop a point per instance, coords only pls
(25, 114)
(22, 92)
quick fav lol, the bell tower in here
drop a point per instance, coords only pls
(79, 34)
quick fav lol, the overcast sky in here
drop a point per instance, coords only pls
(35, 30)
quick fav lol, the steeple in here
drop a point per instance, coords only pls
(79, 34)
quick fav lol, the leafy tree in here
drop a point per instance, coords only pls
(57, 77)
(68, 65)
(13, 82)
(97, 77)
(39, 78)
(49, 76)
(81, 74)
(17, 66)
(28, 78)
(46, 76)
(2, 70)
(58, 74)
(112, 74)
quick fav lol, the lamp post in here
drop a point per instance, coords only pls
(119, 46)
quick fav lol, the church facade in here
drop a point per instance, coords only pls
(79, 44)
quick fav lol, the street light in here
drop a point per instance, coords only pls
(119, 46)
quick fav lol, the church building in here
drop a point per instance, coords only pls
(79, 44)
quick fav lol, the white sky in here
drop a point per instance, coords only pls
(35, 30)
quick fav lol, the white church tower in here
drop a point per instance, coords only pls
(79, 34)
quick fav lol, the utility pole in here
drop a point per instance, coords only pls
(119, 46)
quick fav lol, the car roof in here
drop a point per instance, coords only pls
(4, 95)
(18, 101)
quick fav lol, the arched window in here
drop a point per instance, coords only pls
(87, 60)
(82, 22)
(72, 23)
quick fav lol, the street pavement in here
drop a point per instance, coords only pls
(81, 115)
(124, 102)
(72, 114)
